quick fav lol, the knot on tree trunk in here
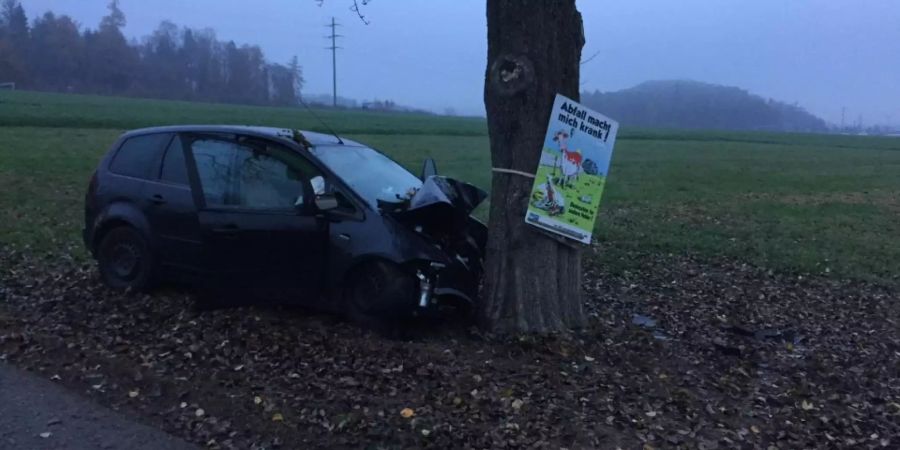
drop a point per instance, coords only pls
(511, 74)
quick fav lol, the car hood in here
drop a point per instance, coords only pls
(441, 202)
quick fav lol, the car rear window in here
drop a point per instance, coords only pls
(140, 156)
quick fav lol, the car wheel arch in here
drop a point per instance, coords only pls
(142, 273)
(118, 215)
(359, 264)
(377, 291)
(104, 229)
(362, 262)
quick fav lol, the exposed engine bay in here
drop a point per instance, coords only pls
(441, 212)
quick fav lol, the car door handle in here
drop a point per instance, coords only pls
(157, 199)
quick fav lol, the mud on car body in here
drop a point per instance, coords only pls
(301, 216)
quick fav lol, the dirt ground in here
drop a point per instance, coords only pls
(680, 354)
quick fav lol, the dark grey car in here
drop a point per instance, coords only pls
(307, 217)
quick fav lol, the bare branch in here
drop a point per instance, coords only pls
(583, 62)
(355, 8)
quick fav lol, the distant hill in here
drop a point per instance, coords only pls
(692, 104)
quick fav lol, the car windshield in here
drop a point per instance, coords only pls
(371, 174)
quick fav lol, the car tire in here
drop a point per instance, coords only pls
(380, 295)
(125, 260)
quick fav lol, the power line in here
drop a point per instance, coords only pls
(334, 48)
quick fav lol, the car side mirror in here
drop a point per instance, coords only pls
(429, 168)
(326, 202)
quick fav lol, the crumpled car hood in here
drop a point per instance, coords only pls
(441, 202)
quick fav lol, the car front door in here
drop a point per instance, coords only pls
(259, 225)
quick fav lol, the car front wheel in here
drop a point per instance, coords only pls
(125, 260)
(379, 295)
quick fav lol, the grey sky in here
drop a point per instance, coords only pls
(824, 54)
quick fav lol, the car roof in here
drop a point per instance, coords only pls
(285, 134)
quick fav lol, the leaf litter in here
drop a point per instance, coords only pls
(750, 358)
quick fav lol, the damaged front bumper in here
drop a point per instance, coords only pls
(426, 289)
(443, 285)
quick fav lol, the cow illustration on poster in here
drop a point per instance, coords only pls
(572, 171)
(569, 161)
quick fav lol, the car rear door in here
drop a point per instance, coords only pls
(168, 204)
(257, 219)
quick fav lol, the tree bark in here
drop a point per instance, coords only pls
(532, 280)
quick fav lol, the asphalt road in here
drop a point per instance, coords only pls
(38, 414)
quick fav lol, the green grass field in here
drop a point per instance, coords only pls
(810, 203)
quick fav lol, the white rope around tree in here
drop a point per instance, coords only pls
(513, 172)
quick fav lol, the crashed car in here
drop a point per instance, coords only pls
(307, 217)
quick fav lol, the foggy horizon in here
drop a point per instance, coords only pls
(432, 55)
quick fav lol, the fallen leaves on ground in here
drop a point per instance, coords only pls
(731, 356)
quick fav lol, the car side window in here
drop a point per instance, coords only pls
(266, 182)
(140, 156)
(174, 168)
(251, 174)
(213, 159)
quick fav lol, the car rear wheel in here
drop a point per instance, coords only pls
(125, 260)
(380, 295)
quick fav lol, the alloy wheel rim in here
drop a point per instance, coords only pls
(125, 260)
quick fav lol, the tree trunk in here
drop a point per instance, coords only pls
(532, 280)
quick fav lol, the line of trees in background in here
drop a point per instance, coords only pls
(55, 54)
(692, 104)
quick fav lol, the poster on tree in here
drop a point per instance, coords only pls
(572, 171)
